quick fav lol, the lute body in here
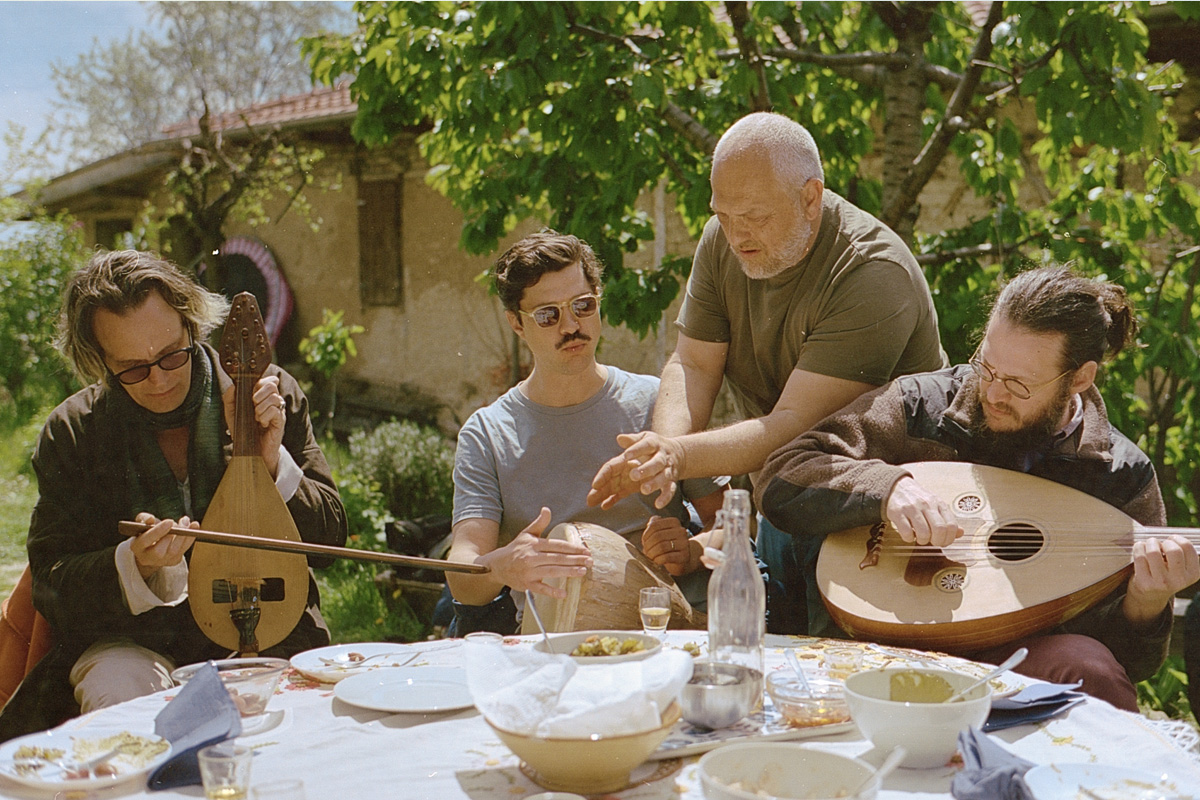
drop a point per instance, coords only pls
(223, 581)
(1034, 554)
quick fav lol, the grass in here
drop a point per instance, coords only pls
(18, 493)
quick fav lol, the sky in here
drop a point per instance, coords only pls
(34, 33)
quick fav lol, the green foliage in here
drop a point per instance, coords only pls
(1166, 692)
(34, 265)
(356, 612)
(329, 344)
(568, 112)
(411, 466)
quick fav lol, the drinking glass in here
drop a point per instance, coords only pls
(654, 604)
(225, 771)
(279, 790)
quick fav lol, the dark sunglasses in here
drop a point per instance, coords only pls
(171, 361)
(549, 315)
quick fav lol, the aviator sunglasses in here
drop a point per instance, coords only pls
(171, 361)
(549, 315)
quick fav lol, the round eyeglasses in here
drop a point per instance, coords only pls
(1016, 388)
(549, 315)
(171, 361)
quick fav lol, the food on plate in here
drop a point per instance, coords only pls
(915, 686)
(136, 751)
(692, 648)
(769, 786)
(607, 646)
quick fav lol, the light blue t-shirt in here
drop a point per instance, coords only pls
(515, 456)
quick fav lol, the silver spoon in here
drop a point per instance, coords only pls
(794, 663)
(1009, 663)
(890, 763)
(532, 606)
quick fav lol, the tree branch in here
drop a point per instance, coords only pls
(739, 16)
(935, 148)
(686, 125)
(972, 251)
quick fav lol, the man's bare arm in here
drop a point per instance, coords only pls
(688, 389)
(654, 463)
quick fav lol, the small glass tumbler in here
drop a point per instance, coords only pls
(654, 605)
(279, 790)
(225, 771)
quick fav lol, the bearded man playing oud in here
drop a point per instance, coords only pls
(802, 302)
(1027, 401)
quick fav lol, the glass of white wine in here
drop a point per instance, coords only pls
(225, 771)
(654, 604)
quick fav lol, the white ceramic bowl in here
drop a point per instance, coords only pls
(587, 764)
(565, 644)
(929, 731)
(782, 771)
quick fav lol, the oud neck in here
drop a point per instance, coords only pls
(1191, 534)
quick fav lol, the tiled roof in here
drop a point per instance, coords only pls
(318, 104)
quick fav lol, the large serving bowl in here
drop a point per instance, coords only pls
(588, 764)
(566, 643)
(928, 730)
(782, 771)
(249, 681)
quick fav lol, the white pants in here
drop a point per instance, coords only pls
(116, 670)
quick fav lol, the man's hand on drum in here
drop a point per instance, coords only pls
(157, 547)
(920, 516)
(649, 464)
(1161, 567)
(528, 561)
(268, 412)
(666, 542)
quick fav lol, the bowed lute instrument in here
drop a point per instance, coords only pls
(1034, 554)
(248, 571)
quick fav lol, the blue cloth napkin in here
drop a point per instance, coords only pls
(201, 714)
(990, 771)
(1035, 703)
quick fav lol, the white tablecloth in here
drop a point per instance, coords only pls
(343, 751)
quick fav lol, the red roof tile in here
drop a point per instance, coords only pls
(317, 104)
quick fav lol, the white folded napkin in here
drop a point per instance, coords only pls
(535, 693)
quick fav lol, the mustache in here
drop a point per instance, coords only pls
(578, 336)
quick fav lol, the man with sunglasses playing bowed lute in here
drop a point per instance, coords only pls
(1025, 402)
(147, 440)
(525, 462)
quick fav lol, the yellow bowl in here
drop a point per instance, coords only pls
(588, 764)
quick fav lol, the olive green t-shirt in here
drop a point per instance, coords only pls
(856, 307)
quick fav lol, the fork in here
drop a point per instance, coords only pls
(333, 662)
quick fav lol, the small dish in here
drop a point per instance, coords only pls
(818, 700)
(144, 753)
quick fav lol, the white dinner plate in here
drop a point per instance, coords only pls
(332, 664)
(1064, 782)
(407, 689)
(79, 744)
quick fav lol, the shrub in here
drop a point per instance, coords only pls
(412, 466)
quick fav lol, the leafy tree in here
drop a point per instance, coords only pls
(1054, 117)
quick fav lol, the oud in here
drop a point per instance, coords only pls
(1034, 554)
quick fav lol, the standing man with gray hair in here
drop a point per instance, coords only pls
(799, 299)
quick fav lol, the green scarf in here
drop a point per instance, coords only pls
(152, 484)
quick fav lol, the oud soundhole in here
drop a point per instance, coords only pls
(968, 504)
(1016, 541)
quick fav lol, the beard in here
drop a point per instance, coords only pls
(1010, 449)
(789, 253)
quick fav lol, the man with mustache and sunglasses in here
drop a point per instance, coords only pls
(147, 440)
(797, 299)
(525, 462)
(1026, 401)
